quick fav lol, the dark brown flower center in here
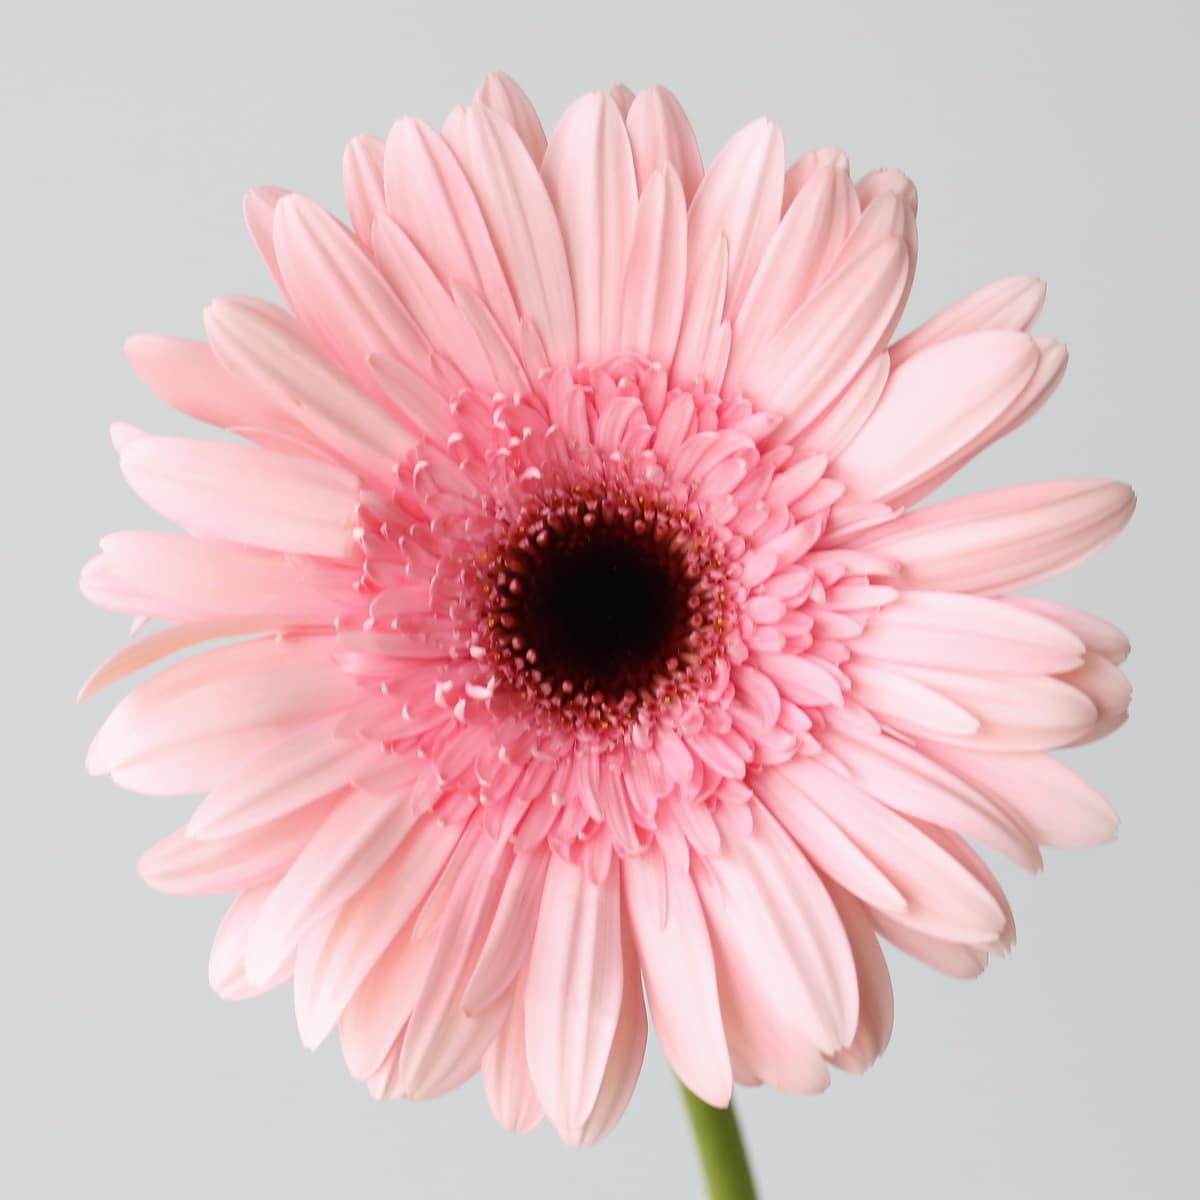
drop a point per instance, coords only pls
(598, 606)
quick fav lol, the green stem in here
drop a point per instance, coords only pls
(722, 1154)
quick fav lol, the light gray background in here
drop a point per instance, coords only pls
(1052, 137)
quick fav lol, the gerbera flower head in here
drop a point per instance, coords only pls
(592, 635)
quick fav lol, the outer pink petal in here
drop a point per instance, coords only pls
(677, 962)
(960, 632)
(876, 1007)
(942, 898)
(1052, 366)
(226, 963)
(654, 286)
(180, 578)
(338, 293)
(335, 959)
(428, 194)
(362, 178)
(1056, 804)
(506, 1079)
(740, 200)
(1015, 712)
(342, 856)
(1010, 303)
(189, 377)
(787, 962)
(626, 1055)
(573, 991)
(909, 781)
(588, 171)
(190, 866)
(795, 260)
(1095, 633)
(506, 947)
(187, 728)
(1000, 541)
(258, 208)
(264, 345)
(524, 230)
(382, 1005)
(661, 135)
(154, 647)
(823, 346)
(430, 303)
(246, 494)
(305, 765)
(933, 405)
(504, 96)
(444, 1045)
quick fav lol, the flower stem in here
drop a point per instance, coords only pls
(726, 1168)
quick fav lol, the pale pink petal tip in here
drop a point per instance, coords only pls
(597, 653)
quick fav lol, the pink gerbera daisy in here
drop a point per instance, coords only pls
(589, 629)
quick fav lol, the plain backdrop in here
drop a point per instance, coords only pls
(1048, 137)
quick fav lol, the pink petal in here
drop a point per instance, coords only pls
(1056, 804)
(942, 898)
(701, 323)
(1095, 633)
(430, 303)
(226, 963)
(661, 135)
(794, 262)
(264, 345)
(444, 1045)
(740, 200)
(348, 849)
(822, 347)
(188, 376)
(831, 849)
(304, 766)
(950, 958)
(506, 1078)
(573, 990)
(154, 647)
(183, 579)
(432, 201)
(190, 866)
(907, 780)
(876, 1007)
(259, 210)
(967, 633)
(1003, 540)
(339, 295)
(524, 230)
(1010, 303)
(901, 700)
(1015, 712)
(335, 960)
(380, 1008)
(934, 404)
(588, 172)
(246, 494)
(187, 728)
(503, 95)
(777, 934)
(653, 292)
(511, 934)
(362, 179)
(1052, 366)
(681, 984)
(624, 1058)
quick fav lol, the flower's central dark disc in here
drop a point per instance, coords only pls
(603, 610)
(601, 607)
